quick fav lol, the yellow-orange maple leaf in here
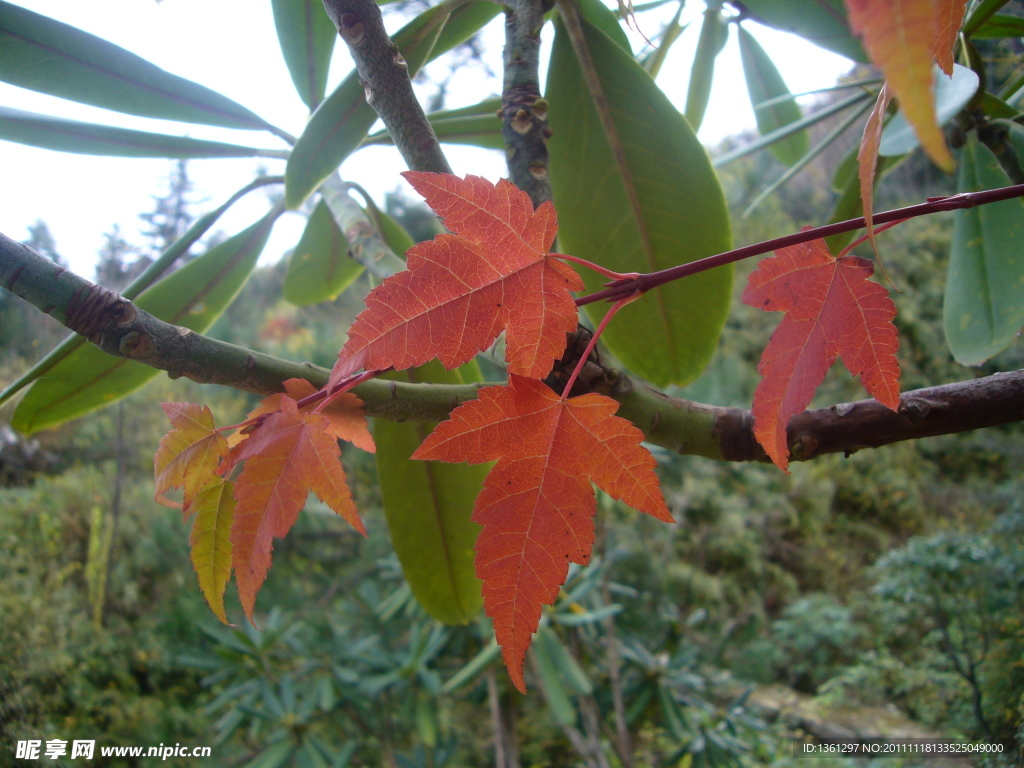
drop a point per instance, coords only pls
(867, 158)
(949, 14)
(900, 37)
(211, 541)
(537, 504)
(189, 454)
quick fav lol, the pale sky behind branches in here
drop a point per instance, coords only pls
(231, 46)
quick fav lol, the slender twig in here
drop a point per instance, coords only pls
(935, 205)
(385, 78)
(593, 340)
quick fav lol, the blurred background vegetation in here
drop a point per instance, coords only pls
(880, 593)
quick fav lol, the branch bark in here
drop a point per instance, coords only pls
(524, 113)
(385, 77)
(119, 328)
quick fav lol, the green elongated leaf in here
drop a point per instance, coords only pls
(653, 61)
(642, 7)
(1001, 25)
(995, 107)
(488, 656)
(551, 681)
(343, 119)
(320, 268)
(801, 163)
(93, 139)
(788, 130)
(394, 234)
(981, 13)
(984, 307)
(671, 714)
(763, 83)
(1015, 136)
(306, 35)
(174, 251)
(607, 20)
(845, 168)
(193, 297)
(637, 193)
(590, 617)
(572, 674)
(822, 22)
(951, 95)
(45, 55)
(713, 34)
(478, 125)
(428, 505)
(274, 756)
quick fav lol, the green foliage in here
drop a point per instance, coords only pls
(765, 84)
(47, 56)
(307, 38)
(119, 682)
(813, 640)
(319, 267)
(636, 196)
(90, 139)
(193, 297)
(436, 553)
(983, 307)
(343, 119)
(822, 23)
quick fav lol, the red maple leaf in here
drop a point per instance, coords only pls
(832, 310)
(461, 290)
(286, 456)
(346, 419)
(537, 504)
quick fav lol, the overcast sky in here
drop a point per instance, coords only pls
(217, 45)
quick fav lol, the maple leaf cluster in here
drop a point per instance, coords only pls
(492, 273)
(287, 451)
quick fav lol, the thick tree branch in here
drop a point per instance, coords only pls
(524, 114)
(385, 77)
(119, 328)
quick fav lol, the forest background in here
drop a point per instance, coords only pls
(775, 603)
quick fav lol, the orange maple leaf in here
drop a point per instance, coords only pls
(832, 310)
(345, 416)
(189, 454)
(286, 456)
(949, 14)
(900, 36)
(537, 504)
(867, 159)
(461, 290)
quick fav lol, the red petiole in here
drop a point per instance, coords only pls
(621, 288)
